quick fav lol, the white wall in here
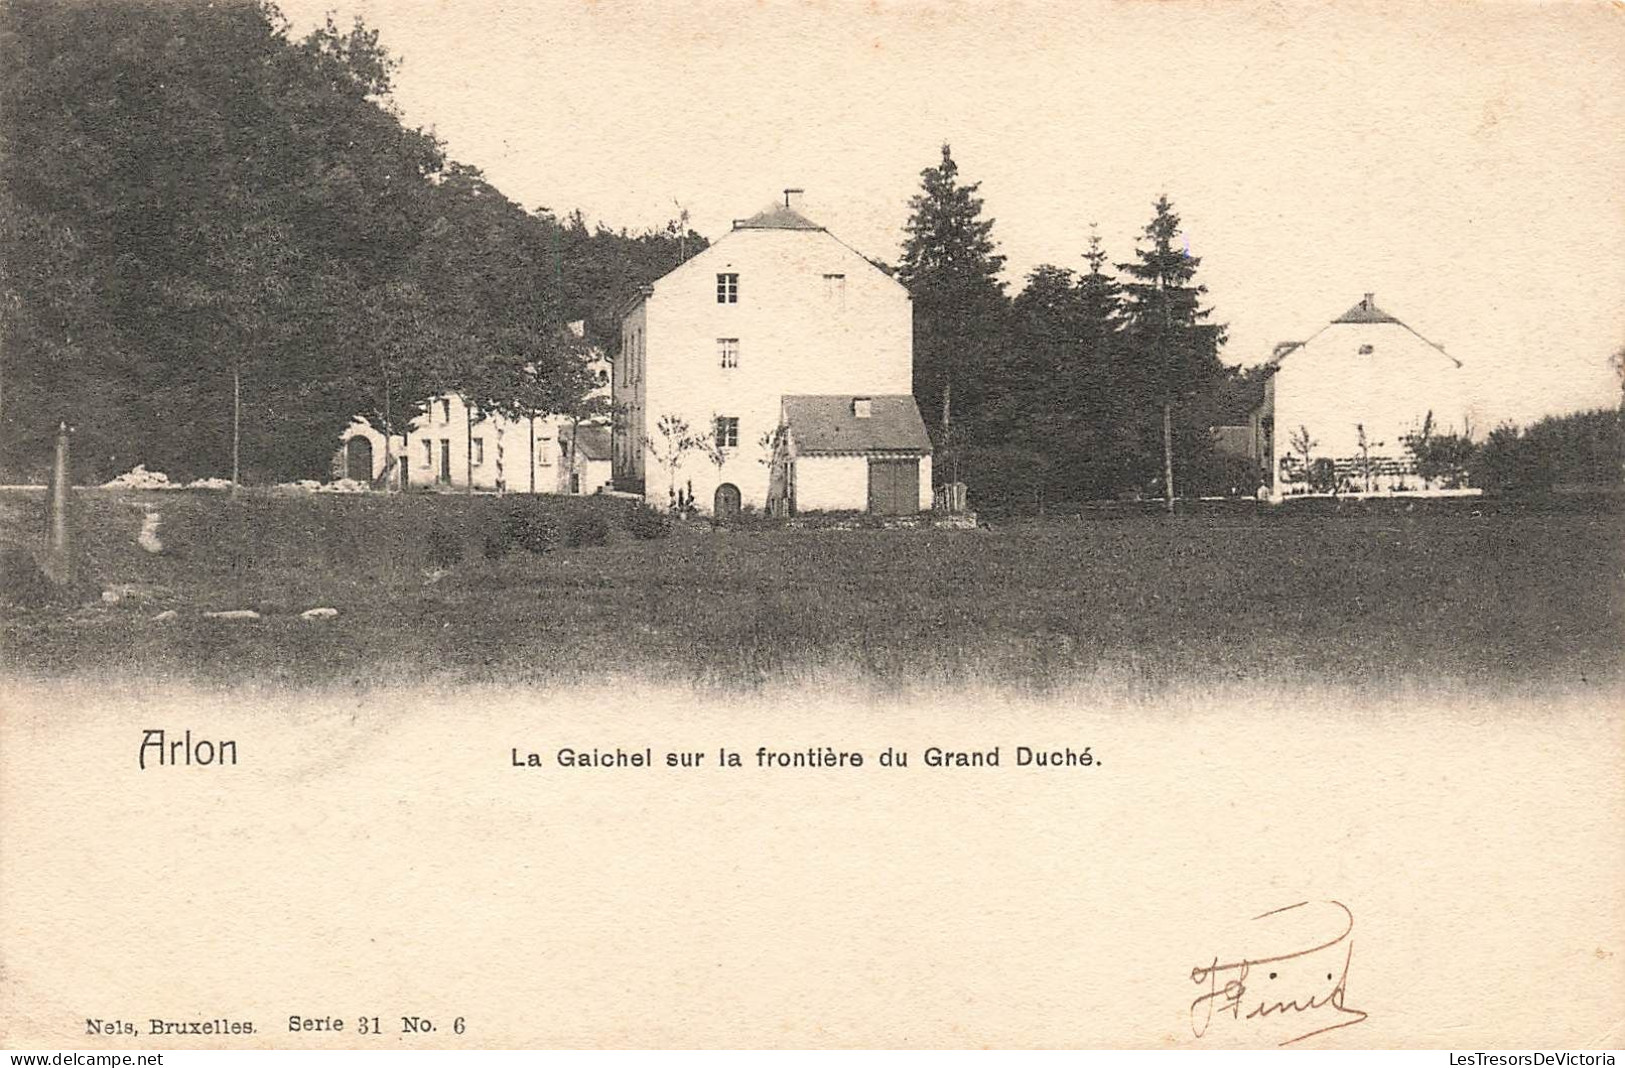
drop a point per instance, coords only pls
(360, 428)
(797, 335)
(445, 423)
(1331, 388)
(841, 483)
(832, 483)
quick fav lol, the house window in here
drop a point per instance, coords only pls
(728, 351)
(727, 289)
(445, 409)
(478, 445)
(835, 290)
(863, 407)
(727, 431)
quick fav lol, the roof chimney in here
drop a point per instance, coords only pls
(792, 198)
(1369, 302)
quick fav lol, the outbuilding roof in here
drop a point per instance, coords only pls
(830, 424)
(592, 441)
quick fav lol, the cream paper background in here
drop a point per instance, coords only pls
(376, 854)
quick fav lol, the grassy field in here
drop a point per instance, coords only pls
(1369, 598)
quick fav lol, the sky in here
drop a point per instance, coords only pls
(1465, 162)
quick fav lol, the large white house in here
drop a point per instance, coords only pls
(1339, 407)
(450, 447)
(773, 369)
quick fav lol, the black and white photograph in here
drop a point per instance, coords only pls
(812, 524)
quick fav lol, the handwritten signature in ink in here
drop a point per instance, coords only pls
(1309, 983)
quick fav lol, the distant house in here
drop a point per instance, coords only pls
(448, 447)
(584, 458)
(787, 358)
(1339, 408)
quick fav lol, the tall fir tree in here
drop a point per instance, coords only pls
(1099, 310)
(951, 269)
(1088, 386)
(1171, 350)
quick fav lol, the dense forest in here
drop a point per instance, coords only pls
(195, 203)
(1089, 383)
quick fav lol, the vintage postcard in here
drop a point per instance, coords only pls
(794, 525)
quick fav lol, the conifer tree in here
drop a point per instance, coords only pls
(951, 269)
(1171, 347)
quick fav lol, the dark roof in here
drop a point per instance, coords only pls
(777, 217)
(1365, 312)
(592, 441)
(827, 424)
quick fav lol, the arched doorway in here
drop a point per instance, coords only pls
(725, 505)
(358, 459)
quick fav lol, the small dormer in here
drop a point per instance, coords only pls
(862, 407)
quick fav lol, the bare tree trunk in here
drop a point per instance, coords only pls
(502, 471)
(573, 484)
(1168, 454)
(533, 454)
(1167, 402)
(468, 445)
(389, 436)
(236, 425)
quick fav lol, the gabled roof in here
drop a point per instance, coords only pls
(777, 217)
(1365, 313)
(827, 424)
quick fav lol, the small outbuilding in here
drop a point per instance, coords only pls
(839, 452)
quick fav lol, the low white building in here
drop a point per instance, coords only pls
(450, 447)
(844, 453)
(776, 321)
(1339, 407)
(584, 458)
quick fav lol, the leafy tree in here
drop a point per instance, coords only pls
(216, 194)
(397, 350)
(1440, 458)
(579, 396)
(594, 270)
(669, 446)
(1304, 446)
(1582, 449)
